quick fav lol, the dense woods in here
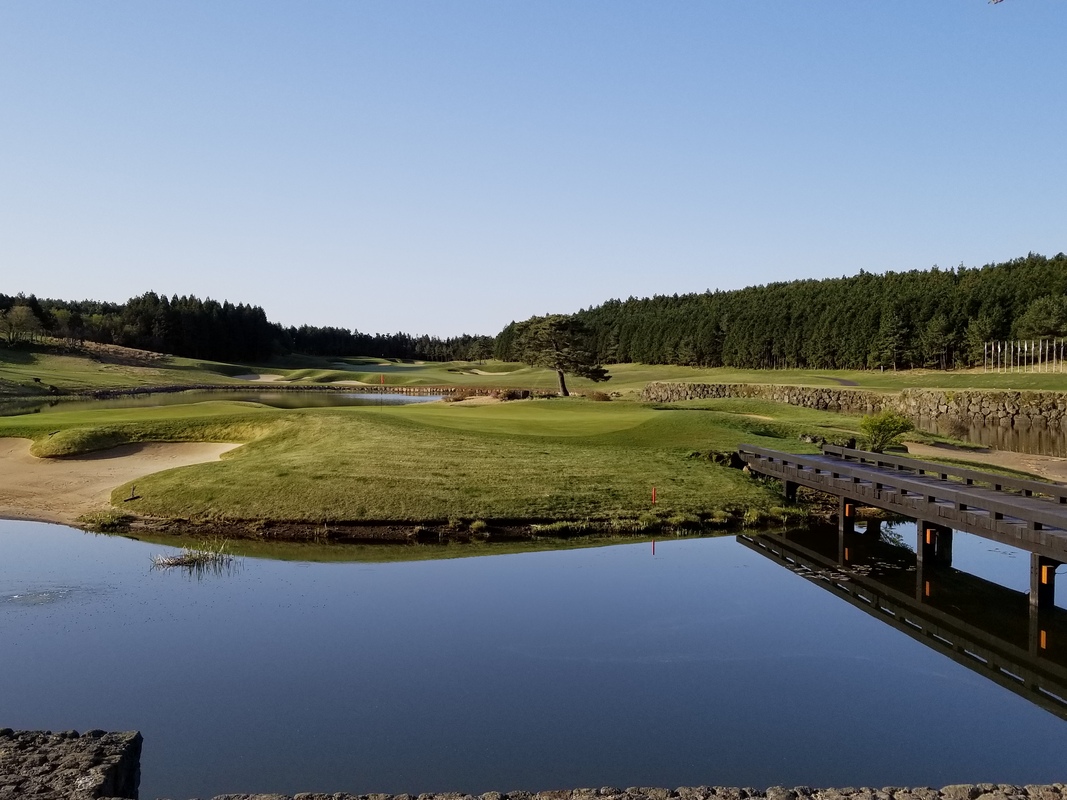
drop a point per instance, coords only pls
(937, 318)
(189, 326)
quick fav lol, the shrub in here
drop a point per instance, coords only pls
(884, 428)
(600, 397)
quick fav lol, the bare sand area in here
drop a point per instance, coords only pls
(259, 377)
(1048, 467)
(63, 489)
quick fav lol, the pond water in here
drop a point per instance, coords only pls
(705, 662)
(275, 399)
(1037, 439)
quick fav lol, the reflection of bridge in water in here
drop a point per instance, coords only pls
(993, 630)
(1022, 513)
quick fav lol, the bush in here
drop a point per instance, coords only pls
(884, 429)
(600, 397)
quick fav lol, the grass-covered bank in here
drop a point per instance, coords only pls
(571, 466)
(32, 371)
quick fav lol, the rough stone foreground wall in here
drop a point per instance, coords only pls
(972, 407)
(40, 765)
(980, 791)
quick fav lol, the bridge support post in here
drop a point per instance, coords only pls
(874, 529)
(1039, 635)
(846, 515)
(1042, 581)
(789, 490)
(934, 545)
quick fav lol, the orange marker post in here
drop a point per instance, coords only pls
(653, 495)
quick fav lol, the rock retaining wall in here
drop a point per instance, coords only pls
(40, 765)
(979, 791)
(1009, 409)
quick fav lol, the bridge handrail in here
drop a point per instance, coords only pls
(960, 496)
(1025, 485)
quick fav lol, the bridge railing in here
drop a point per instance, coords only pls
(850, 478)
(1026, 486)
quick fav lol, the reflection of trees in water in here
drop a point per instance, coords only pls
(1035, 439)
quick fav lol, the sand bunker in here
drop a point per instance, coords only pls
(1048, 467)
(63, 489)
(257, 377)
(483, 372)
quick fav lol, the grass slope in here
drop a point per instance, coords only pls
(114, 367)
(529, 460)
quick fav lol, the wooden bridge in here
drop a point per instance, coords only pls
(1027, 514)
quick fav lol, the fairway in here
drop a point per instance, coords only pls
(532, 461)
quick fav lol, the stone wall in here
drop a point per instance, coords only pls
(40, 765)
(826, 398)
(980, 791)
(1008, 409)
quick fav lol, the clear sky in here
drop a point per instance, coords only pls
(448, 166)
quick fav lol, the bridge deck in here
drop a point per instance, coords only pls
(1034, 522)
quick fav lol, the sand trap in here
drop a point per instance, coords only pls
(352, 383)
(483, 372)
(257, 377)
(1048, 467)
(759, 416)
(477, 400)
(62, 489)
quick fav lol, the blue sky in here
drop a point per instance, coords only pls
(449, 166)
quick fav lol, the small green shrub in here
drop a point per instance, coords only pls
(479, 526)
(884, 429)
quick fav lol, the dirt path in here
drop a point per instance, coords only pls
(62, 489)
(1048, 467)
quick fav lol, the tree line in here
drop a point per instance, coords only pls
(939, 318)
(204, 328)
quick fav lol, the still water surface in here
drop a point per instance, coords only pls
(275, 399)
(706, 663)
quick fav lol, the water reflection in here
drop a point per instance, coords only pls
(985, 626)
(1038, 439)
(275, 399)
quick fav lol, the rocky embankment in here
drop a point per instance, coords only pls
(979, 791)
(41, 765)
(106, 766)
(984, 407)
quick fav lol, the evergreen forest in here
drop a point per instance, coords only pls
(937, 318)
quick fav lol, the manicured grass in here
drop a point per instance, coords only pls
(522, 461)
(71, 373)
(19, 367)
(629, 374)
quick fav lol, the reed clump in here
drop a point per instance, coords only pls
(213, 554)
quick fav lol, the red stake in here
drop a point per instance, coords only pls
(653, 547)
(653, 495)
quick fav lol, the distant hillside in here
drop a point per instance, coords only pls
(935, 318)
